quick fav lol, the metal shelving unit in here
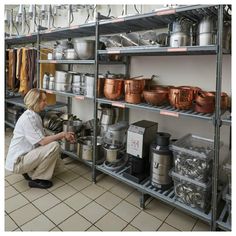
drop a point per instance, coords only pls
(156, 20)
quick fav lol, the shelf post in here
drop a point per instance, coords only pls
(95, 98)
(38, 57)
(217, 118)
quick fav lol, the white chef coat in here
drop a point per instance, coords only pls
(27, 133)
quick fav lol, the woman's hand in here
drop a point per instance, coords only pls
(70, 136)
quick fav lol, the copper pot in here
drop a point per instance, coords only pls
(134, 86)
(194, 90)
(156, 97)
(205, 108)
(133, 90)
(204, 102)
(100, 86)
(181, 97)
(113, 88)
(134, 98)
(162, 87)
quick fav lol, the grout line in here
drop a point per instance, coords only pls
(12, 220)
(194, 224)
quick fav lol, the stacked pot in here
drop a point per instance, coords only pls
(180, 33)
(63, 81)
(206, 31)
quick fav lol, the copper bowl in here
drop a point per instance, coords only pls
(156, 97)
(113, 88)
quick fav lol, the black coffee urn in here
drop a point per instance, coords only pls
(161, 158)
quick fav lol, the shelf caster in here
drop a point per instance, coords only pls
(143, 199)
(95, 175)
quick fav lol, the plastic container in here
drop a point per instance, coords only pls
(192, 193)
(193, 157)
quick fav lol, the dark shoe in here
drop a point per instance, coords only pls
(26, 176)
(40, 183)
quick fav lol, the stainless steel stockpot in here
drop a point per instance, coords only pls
(62, 77)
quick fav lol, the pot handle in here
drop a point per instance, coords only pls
(176, 98)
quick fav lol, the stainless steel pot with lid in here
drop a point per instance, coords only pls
(85, 148)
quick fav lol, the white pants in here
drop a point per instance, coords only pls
(40, 162)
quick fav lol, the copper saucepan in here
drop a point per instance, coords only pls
(133, 90)
(182, 97)
(113, 88)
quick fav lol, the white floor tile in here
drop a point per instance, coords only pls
(77, 201)
(15, 202)
(10, 225)
(24, 214)
(59, 213)
(180, 220)
(108, 200)
(111, 222)
(126, 211)
(75, 223)
(46, 202)
(40, 223)
(64, 192)
(93, 212)
(10, 192)
(146, 222)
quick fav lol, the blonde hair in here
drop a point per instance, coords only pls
(33, 98)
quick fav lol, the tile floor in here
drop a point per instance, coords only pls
(74, 203)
